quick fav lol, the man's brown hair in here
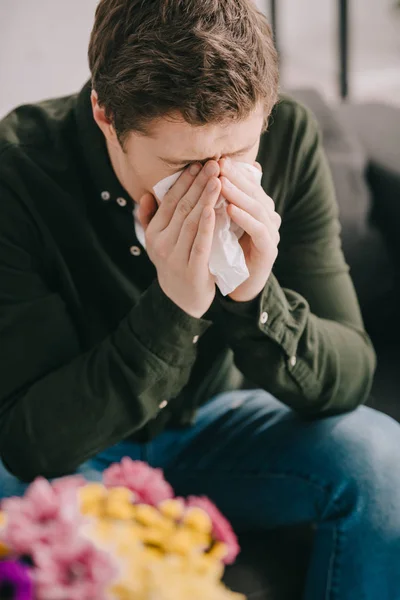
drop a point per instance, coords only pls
(211, 60)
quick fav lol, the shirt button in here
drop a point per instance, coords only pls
(163, 404)
(264, 317)
(105, 195)
(135, 251)
(195, 339)
(292, 361)
(121, 201)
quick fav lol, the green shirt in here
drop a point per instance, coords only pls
(93, 352)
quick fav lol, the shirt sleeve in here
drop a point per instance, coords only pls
(304, 339)
(60, 405)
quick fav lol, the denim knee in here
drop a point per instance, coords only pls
(361, 453)
(365, 440)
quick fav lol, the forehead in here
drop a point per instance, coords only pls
(172, 135)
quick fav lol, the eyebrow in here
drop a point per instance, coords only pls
(184, 161)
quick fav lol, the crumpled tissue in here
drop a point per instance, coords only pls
(227, 262)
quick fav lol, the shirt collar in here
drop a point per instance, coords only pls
(95, 155)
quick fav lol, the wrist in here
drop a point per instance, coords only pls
(246, 296)
(243, 299)
(250, 289)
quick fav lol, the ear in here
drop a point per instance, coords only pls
(102, 120)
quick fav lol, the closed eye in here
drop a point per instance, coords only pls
(182, 167)
(178, 166)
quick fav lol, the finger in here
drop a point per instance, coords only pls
(197, 193)
(190, 226)
(239, 198)
(244, 181)
(260, 212)
(277, 220)
(258, 166)
(174, 195)
(240, 176)
(147, 209)
(201, 248)
(259, 232)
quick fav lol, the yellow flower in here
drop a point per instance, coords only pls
(92, 498)
(98, 501)
(181, 541)
(205, 566)
(218, 551)
(171, 580)
(150, 516)
(172, 509)
(118, 504)
(146, 514)
(198, 519)
(103, 530)
(153, 536)
(121, 592)
(164, 552)
(201, 541)
(120, 494)
(151, 554)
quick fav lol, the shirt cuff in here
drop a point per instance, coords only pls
(164, 328)
(239, 308)
(281, 316)
(271, 314)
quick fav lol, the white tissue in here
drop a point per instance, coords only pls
(227, 262)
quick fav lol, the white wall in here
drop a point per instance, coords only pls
(43, 46)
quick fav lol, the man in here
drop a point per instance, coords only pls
(109, 349)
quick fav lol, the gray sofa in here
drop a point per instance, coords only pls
(362, 143)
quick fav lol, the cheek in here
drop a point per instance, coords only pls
(250, 156)
(149, 173)
(159, 173)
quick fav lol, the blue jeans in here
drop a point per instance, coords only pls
(265, 467)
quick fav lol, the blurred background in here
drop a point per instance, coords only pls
(43, 47)
(341, 58)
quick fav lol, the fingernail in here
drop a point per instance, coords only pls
(194, 169)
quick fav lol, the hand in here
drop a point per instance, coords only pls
(254, 212)
(179, 237)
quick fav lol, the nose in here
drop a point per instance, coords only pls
(206, 160)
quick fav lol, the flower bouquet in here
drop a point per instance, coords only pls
(125, 538)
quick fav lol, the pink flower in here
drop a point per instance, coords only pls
(46, 525)
(45, 514)
(70, 483)
(222, 530)
(73, 571)
(148, 484)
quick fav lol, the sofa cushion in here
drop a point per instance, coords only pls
(363, 243)
(273, 564)
(377, 127)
